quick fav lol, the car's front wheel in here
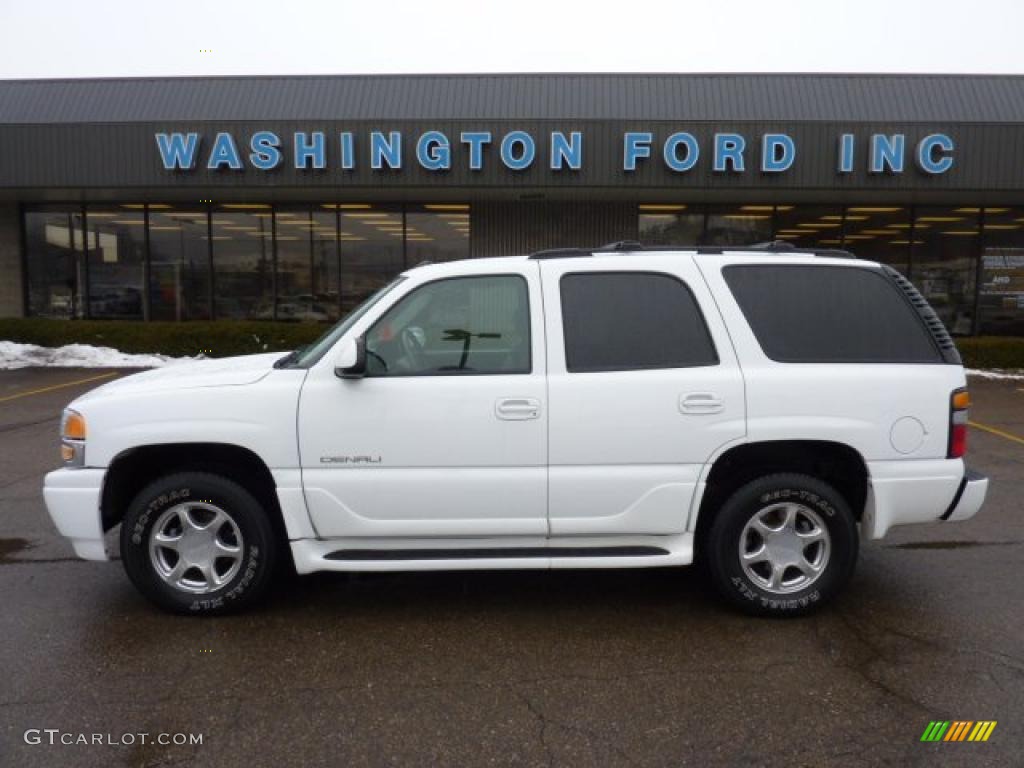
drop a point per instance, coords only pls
(195, 542)
(782, 545)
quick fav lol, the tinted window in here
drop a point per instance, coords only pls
(822, 314)
(618, 321)
(464, 325)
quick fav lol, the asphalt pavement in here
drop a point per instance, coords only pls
(574, 668)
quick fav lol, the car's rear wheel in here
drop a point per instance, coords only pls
(782, 545)
(195, 542)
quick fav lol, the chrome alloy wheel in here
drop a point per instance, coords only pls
(195, 547)
(784, 548)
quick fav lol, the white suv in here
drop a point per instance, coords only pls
(758, 409)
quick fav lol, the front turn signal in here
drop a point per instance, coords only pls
(72, 426)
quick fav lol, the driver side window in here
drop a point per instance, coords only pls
(460, 325)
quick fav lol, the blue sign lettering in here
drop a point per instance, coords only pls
(348, 151)
(635, 146)
(778, 151)
(224, 152)
(929, 158)
(310, 147)
(476, 140)
(681, 151)
(386, 150)
(177, 151)
(671, 151)
(729, 152)
(434, 152)
(266, 150)
(845, 153)
(517, 150)
(886, 153)
(566, 152)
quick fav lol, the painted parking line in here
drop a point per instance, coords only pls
(41, 390)
(999, 432)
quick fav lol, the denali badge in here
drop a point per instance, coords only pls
(350, 459)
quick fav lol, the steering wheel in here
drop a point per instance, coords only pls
(413, 340)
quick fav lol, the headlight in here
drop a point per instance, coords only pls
(72, 438)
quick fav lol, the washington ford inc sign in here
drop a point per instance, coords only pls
(264, 150)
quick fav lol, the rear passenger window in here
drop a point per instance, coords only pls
(824, 314)
(621, 321)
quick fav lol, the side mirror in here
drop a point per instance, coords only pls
(351, 362)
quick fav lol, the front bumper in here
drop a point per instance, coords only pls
(73, 501)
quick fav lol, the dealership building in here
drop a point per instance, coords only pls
(293, 198)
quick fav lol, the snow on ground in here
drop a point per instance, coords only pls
(995, 374)
(15, 355)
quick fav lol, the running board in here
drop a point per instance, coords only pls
(492, 553)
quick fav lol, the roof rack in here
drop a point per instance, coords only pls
(627, 246)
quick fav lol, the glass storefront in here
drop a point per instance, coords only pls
(671, 224)
(738, 225)
(56, 264)
(437, 233)
(943, 262)
(235, 261)
(116, 243)
(1001, 272)
(810, 226)
(372, 251)
(315, 262)
(879, 233)
(179, 263)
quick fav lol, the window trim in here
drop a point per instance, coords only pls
(877, 272)
(448, 374)
(620, 272)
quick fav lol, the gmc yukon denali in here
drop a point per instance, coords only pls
(757, 410)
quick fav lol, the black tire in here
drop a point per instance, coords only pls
(258, 548)
(721, 545)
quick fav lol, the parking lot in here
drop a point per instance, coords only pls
(588, 668)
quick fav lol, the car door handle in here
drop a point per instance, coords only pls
(517, 408)
(701, 402)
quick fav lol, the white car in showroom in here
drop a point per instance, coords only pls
(760, 410)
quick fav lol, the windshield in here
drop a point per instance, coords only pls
(309, 355)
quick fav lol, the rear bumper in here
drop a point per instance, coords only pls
(969, 497)
(73, 501)
(907, 492)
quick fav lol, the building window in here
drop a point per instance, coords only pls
(243, 261)
(436, 233)
(325, 264)
(56, 264)
(810, 226)
(943, 262)
(372, 252)
(738, 225)
(670, 224)
(116, 243)
(1001, 295)
(879, 233)
(179, 263)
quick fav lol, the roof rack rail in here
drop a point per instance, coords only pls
(562, 253)
(621, 245)
(772, 246)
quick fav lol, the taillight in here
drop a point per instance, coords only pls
(959, 402)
